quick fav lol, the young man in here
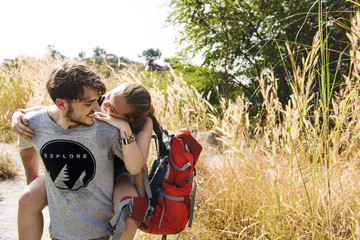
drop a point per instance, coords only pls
(78, 154)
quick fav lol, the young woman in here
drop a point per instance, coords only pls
(125, 108)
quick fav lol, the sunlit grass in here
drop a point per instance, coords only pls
(8, 168)
(22, 85)
(296, 176)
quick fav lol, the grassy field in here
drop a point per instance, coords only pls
(294, 178)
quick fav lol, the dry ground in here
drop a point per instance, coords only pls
(10, 191)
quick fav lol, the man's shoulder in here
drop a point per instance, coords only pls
(37, 117)
(37, 114)
(106, 127)
(106, 134)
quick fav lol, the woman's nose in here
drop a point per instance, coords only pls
(96, 107)
(106, 104)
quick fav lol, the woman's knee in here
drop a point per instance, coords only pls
(125, 188)
(34, 196)
(131, 224)
(122, 190)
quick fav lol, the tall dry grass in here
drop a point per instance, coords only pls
(294, 177)
(22, 85)
(298, 178)
(8, 169)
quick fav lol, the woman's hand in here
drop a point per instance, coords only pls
(119, 123)
(18, 125)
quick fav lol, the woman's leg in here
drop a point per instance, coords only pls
(31, 203)
(124, 186)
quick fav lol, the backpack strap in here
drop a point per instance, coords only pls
(146, 184)
(136, 207)
(192, 205)
(159, 133)
(186, 166)
(117, 222)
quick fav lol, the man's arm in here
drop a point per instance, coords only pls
(30, 159)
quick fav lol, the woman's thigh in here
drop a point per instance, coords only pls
(124, 186)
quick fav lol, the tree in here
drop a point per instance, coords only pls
(246, 37)
(151, 55)
(112, 58)
(56, 55)
(207, 81)
(82, 55)
(99, 52)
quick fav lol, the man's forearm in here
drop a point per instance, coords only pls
(30, 159)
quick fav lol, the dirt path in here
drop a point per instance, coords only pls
(10, 191)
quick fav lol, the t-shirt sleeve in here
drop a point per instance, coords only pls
(116, 146)
(24, 143)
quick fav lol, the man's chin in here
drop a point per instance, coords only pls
(88, 123)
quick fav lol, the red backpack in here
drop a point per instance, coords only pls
(170, 187)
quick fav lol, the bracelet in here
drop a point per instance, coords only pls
(17, 110)
(127, 140)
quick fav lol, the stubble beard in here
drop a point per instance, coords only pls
(72, 117)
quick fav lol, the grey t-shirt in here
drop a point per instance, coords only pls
(79, 175)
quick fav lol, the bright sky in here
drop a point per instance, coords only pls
(121, 27)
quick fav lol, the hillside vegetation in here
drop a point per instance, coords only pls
(292, 172)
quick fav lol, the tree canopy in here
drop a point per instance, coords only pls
(246, 37)
(151, 55)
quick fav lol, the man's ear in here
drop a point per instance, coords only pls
(61, 103)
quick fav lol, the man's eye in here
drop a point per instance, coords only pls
(88, 104)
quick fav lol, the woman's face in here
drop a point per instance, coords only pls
(115, 105)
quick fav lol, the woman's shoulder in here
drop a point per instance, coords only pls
(148, 122)
(141, 125)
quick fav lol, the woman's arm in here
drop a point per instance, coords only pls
(132, 155)
(143, 139)
(134, 152)
(19, 121)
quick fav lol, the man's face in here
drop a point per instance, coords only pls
(82, 111)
